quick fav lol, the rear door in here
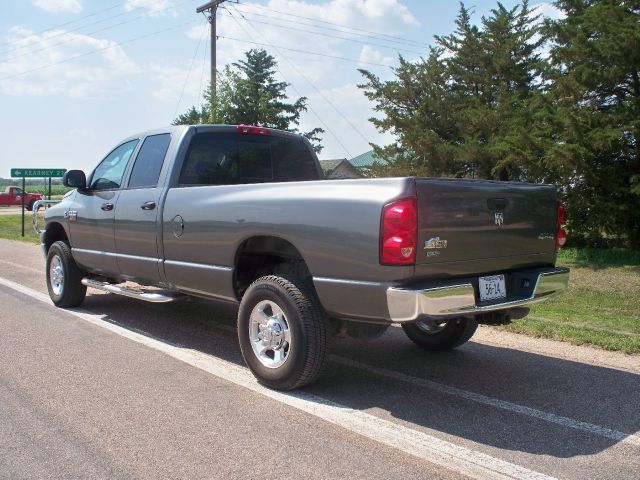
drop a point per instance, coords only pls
(91, 217)
(136, 227)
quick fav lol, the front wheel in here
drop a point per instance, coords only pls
(440, 335)
(283, 332)
(64, 278)
(30, 206)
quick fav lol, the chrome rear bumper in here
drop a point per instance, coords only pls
(408, 305)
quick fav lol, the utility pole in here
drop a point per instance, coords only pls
(212, 8)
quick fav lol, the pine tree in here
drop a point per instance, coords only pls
(595, 89)
(248, 93)
(469, 108)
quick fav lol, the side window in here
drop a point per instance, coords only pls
(210, 160)
(108, 175)
(146, 170)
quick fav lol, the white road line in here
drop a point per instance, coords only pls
(483, 399)
(493, 402)
(419, 444)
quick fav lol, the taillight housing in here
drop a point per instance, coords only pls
(252, 130)
(561, 234)
(398, 232)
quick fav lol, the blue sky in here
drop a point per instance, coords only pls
(76, 76)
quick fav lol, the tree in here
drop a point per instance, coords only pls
(468, 109)
(595, 90)
(248, 93)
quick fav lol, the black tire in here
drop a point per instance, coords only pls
(452, 334)
(30, 206)
(307, 326)
(70, 292)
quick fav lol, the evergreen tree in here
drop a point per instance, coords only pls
(468, 109)
(595, 90)
(248, 93)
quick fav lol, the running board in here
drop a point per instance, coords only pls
(159, 296)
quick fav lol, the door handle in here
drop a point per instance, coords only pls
(107, 206)
(148, 205)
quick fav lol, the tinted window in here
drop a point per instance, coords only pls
(146, 170)
(108, 175)
(227, 158)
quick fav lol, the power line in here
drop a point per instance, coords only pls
(186, 79)
(72, 21)
(97, 50)
(368, 32)
(81, 27)
(307, 52)
(323, 34)
(324, 124)
(344, 117)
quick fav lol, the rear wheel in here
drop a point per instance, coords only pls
(440, 335)
(64, 277)
(283, 332)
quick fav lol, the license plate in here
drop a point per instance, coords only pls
(492, 287)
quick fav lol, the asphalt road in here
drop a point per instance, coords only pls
(124, 389)
(14, 211)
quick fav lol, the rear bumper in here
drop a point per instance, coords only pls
(459, 299)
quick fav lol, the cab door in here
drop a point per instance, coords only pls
(136, 216)
(91, 216)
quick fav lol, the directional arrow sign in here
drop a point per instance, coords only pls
(37, 172)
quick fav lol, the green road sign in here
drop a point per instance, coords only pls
(37, 172)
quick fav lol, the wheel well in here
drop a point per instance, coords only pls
(54, 233)
(264, 255)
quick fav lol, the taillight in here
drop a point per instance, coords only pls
(398, 231)
(561, 235)
(252, 130)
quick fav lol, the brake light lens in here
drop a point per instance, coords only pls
(252, 130)
(398, 232)
(561, 234)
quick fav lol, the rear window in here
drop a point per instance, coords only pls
(228, 158)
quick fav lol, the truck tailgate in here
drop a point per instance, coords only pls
(474, 224)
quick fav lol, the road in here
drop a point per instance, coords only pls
(13, 211)
(124, 389)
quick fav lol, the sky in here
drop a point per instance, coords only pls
(77, 76)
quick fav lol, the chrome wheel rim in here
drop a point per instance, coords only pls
(56, 275)
(431, 327)
(269, 334)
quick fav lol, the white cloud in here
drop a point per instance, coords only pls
(55, 6)
(90, 75)
(369, 55)
(171, 80)
(547, 10)
(154, 7)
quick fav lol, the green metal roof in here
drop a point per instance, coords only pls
(366, 160)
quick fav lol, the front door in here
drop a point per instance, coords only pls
(136, 227)
(91, 216)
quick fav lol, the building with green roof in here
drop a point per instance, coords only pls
(366, 160)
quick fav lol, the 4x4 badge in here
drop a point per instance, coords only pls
(498, 218)
(435, 243)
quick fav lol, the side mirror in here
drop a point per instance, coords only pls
(75, 179)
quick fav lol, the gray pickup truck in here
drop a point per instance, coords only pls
(242, 214)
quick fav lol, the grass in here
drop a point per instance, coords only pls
(10, 228)
(601, 306)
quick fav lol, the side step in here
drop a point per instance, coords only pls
(155, 296)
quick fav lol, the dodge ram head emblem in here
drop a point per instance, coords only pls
(498, 218)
